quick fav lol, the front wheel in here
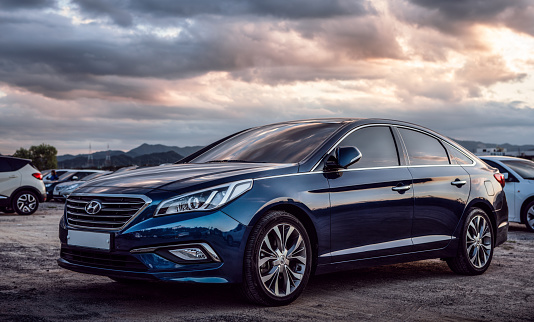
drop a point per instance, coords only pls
(527, 217)
(476, 247)
(278, 260)
(25, 203)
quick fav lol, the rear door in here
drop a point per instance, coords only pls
(370, 216)
(441, 189)
(9, 179)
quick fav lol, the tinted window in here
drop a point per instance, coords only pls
(376, 145)
(458, 157)
(423, 149)
(4, 165)
(277, 143)
(524, 168)
(17, 164)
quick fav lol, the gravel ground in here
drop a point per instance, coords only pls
(34, 288)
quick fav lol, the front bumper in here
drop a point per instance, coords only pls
(141, 250)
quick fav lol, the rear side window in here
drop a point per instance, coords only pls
(458, 157)
(376, 145)
(4, 165)
(423, 149)
(17, 164)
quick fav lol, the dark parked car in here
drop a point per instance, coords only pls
(297, 198)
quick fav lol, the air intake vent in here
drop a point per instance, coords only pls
(108, 212)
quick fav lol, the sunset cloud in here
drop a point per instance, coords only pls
(187, 73)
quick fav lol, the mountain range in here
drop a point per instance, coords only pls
(143, 155)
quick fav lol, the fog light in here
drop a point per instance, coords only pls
(189, 254)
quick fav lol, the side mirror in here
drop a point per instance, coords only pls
(506, 175)
(345, 157)
(74, 178)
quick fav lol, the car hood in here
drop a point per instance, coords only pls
(177, 177)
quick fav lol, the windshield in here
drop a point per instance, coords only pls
(525, 168)
(277, 143)
(94, 175)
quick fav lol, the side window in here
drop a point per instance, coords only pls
(423, 149)
(17, 164)
(81, 175)
(5, 166)
(458, 157)
(376, 145)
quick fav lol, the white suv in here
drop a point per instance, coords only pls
(21, 186)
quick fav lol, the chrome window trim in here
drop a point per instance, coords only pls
(147, 201)
(3, 197)
(395, 126)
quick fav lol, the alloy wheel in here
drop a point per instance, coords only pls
(282, 260)
(26, 202)
(530, 217)
(479, 241)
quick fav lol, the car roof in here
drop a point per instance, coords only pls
(14, 158)
(498, 157)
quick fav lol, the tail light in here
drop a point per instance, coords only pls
(500, 178)
(37, 175)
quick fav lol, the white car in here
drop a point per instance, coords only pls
(519, 188)
(21, 186)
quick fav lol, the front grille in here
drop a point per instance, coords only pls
(103, 260)
(116, 211)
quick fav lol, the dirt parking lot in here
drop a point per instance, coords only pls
(34, 288)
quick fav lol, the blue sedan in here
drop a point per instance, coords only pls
(269, 206)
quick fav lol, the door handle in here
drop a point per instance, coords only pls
(12, 176)
(401, 189)
(458, 182)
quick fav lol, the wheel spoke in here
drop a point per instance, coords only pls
(289, 232)
(265, 260)
(297, 276)
(268, 244)
(269, 275)
(287, 282)
(295, 246)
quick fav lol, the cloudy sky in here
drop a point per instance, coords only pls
(181, 72)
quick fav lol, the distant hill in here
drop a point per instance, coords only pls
(474, 145)
(159, 148)
(123, 160)
(143, 155)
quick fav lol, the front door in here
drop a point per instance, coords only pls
(371, 201)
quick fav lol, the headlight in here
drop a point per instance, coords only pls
(206, 199)
(48, 185)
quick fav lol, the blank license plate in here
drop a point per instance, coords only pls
(88, 239)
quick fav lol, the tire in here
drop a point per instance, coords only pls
(527, 216)
(278, 260)
(7, 210)
(25, 203)
(476, 249)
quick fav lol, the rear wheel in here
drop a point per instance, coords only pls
(527, 217)
(476, 247)
(277, 262)
(25, 203)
